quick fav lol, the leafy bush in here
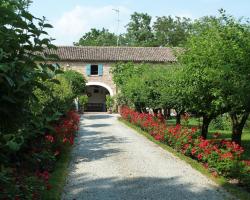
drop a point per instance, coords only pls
(22, 40)
(28, 175)
(76, 80)
(56, 98)
(221, 157)
(83, 100)
(109, 102)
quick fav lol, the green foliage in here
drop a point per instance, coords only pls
(222, 122)
(57, 98)
(109, 102)
(165, 31)
(171, 31)
(83, 99)
(216, 64)
(120, 99)
(22, 37)
(139, 31)
(77, 81)
(123, 71)
(33, 96)
(97, 37)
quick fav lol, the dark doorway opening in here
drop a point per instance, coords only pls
(96, 99)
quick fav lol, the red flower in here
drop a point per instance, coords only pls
(65, 140)
(49, 138)
(200, 156)
(159, 137)
(193, 151)
(227, 155)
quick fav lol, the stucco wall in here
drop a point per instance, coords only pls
(106, 78)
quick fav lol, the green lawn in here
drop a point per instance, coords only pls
(225, 134)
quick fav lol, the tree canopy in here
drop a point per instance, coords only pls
(141, 31)
(97, 37)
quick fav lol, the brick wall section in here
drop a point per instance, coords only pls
(81, 67)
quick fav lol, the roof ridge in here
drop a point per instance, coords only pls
(115, 47)
(113, 54)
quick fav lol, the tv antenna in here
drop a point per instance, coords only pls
(118, 24)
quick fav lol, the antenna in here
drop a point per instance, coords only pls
(118, 24)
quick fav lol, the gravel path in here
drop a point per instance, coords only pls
(112, 161)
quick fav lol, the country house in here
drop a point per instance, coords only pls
(95, 63)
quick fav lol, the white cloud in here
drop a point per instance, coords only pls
(74, 23)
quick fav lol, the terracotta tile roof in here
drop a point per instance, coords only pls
(136, 54)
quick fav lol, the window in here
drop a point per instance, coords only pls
(94, 70)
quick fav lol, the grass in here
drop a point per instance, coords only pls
(234, 190)
(225, 134)
(58, 176)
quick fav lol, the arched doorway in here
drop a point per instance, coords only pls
(96, 98)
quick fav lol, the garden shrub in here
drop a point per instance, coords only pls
(83, 100)
(109, 102)
(77, 81)
(221, 157)
(28, 175)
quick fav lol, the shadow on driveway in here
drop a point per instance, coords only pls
(136, 189)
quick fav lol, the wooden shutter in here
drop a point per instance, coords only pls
(88, 68)
(100, 69)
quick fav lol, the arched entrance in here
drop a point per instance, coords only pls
(97, 97)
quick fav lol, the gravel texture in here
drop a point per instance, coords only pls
(110, 161)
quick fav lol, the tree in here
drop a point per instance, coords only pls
(139, 31)
(97, 37)
(216, 62)
(125, 76)
(173, 91)
(170, 31)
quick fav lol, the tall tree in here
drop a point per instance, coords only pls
(97, 37)
(139, 32)
(217, 60)
(171, 31)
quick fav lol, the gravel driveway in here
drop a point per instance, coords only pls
(112, 161)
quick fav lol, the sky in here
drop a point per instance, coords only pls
(72, 18)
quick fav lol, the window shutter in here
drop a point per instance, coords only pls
(88, 68)
(100, 69)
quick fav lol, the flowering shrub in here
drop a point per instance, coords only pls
(30, 178)
(221, 157)
(66, 128)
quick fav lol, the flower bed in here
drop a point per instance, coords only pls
(28, 178)
(220, 157)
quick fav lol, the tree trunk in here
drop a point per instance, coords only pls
(178, 118)
(238, 123)
(205, 125)
(166, 113)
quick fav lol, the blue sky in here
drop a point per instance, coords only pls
(72, 18)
